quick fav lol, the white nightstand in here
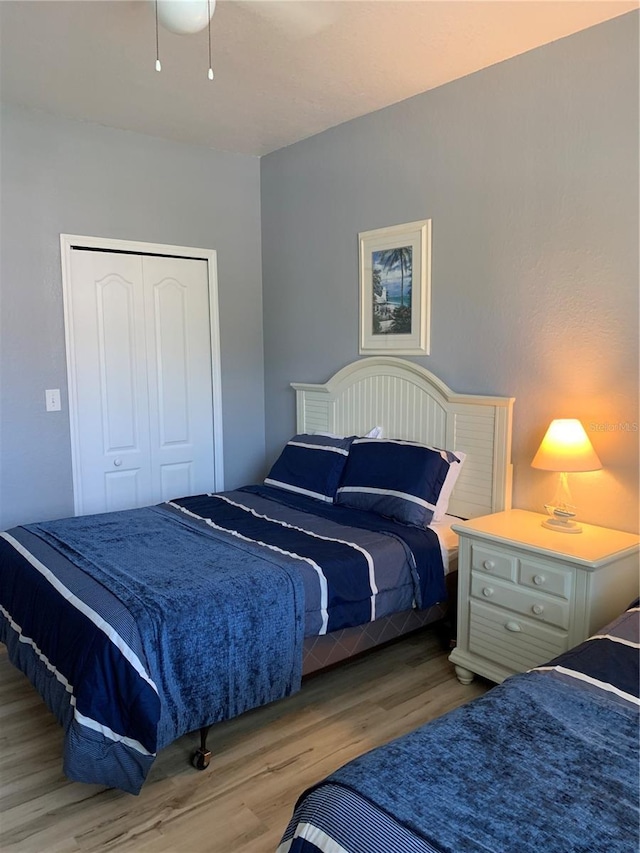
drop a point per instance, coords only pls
(527, 594)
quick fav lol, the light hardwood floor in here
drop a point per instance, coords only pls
(262, 760)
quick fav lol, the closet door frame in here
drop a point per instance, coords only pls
(70, 241)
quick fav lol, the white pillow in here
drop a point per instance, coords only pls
(447, 487)
(376, 432)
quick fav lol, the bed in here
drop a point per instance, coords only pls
(139, 626)
(548, 761)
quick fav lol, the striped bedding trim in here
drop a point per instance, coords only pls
(606, 661)
(614, 639)
(341, 450)
(91, 614)
(370, 490)
(278, 484)
(354, 824)
(80, 718)
(317, 837)
(594, 682)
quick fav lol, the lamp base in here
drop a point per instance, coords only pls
(562, 519)
(561, 525)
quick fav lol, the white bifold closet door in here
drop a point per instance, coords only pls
(139, 343)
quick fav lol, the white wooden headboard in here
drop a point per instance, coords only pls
(411, 403)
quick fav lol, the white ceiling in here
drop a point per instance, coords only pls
(285, 69)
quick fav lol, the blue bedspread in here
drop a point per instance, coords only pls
(139, 626)
(547, 761)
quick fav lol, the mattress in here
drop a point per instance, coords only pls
(448, 540)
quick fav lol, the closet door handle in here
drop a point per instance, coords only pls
(117, 462)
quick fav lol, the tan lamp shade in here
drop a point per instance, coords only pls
(566, 447)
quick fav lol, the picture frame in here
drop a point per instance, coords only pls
(395, 289)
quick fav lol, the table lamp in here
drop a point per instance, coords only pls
(565, 448)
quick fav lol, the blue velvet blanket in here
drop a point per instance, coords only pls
(183, 628)
(547, 761)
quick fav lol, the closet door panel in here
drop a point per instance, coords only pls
(178, 340)
(111, 402)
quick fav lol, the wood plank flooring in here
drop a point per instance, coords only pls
(261, 761)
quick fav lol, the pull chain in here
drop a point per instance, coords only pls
(158, 65)
(210, 73)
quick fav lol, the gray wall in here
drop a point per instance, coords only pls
(61, 176)
(529, 171)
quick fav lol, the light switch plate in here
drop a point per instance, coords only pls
(52, 400)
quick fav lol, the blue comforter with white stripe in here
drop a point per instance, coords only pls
(139, 626)
(547, 761)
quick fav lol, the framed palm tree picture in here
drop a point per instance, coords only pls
(395, 289)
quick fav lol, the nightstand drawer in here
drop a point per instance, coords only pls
(543, 577)
(512, 641)
(537, 606)
(493, 562)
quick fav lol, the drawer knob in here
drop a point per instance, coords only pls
(117, 462)
(487, 591)
(488, 565)
(538, 609)
(539, 580)
(513, 627)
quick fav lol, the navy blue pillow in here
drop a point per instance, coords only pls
(311, 465)
(398, 479)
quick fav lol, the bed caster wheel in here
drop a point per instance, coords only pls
(201, 758)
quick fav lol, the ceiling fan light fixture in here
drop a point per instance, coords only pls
(185, 17)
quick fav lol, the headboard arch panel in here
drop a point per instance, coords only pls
(411, 403)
